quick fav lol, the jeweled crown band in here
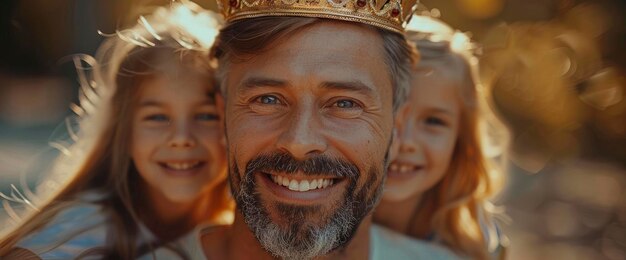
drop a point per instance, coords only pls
(391, 15)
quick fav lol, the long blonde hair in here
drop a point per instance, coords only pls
(99, 161)
(458, 207)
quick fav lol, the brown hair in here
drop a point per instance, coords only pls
(243, 38)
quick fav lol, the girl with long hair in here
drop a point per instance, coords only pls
(148, 163)
(439, 185)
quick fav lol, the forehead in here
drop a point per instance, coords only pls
(436, 84)
(165, 87)
(326, 51)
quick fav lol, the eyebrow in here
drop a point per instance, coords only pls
(355, 86)
(337, 85)
(441, 111)
(155, 103)
(262, 82)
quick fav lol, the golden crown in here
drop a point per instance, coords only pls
(387, 14)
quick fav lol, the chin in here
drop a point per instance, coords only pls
(394, 196)
(182, 197)
(397, 194)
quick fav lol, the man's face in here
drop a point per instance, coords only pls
(308, 124)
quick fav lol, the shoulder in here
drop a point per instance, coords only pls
(388, 245)
(69, 233)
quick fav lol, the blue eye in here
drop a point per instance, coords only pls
(157, 118)
(268, 99)
(345, 108)
(345, 103)
(207, 117)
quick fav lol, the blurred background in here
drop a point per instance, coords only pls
(555, 70)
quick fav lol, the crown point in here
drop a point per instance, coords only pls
(360, 3)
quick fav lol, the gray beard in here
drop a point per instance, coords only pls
(302, 238)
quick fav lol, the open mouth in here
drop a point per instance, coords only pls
(182, 167)
(400, 169)
(301, 185)
(299, 189)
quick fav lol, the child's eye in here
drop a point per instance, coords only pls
(157, 118)
(207, 117)
(435, 121)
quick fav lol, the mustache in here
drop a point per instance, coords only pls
(284, 162)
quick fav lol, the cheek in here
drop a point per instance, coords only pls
(137, 143)
(251, 134)
(144, 141)
(140, 157)
(440, 151)
(212, 140)
(242, 145)
(364, 140)
(140, 153)
(394, 149)
(365, 145)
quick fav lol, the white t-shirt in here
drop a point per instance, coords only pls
(386, 244)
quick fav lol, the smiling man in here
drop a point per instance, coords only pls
(309, 94)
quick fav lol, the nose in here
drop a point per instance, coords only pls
(182, 135)
(303, 137)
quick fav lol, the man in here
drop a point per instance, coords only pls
(309, 91)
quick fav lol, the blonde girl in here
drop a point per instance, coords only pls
(148, 163)
(439, 183)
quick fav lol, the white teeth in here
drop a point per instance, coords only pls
(182, 166)
(293, 185)
(401, 168)
(303, 185)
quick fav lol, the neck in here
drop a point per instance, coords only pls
(238, 242)
(233, 242)
(168, 219)
(397, 215)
